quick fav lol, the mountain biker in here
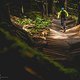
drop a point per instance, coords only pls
(62, 15)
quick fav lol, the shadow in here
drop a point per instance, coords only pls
(13, 63)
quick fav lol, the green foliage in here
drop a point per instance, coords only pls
(41, 23)
(33, 14)
(33, 31)
(24, 21)
(38, 21)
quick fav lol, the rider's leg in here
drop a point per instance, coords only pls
(64, 28)
(63, 24)
(61, 21)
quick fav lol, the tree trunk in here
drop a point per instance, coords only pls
(45, 8)
(50, 6)
(65, 4)
(78, 22)
(61, 3)
(4, 13)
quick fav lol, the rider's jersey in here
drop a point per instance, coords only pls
(63, 14)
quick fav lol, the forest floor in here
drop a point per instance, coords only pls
(56, 44)
(59, 44)
(31, 65)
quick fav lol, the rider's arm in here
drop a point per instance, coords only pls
(59, 13)
(66, 13)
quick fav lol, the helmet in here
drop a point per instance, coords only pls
(62, 8)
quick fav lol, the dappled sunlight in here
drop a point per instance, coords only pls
(73, 29)
(58, 38)
(70, 33)
(58, 35)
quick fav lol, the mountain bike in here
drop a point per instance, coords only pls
(63, 24)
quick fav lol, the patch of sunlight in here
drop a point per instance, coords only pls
(73, 29)
(58, 35)
(71, 34)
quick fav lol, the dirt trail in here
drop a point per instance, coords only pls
(59, 43)
(72, 35)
